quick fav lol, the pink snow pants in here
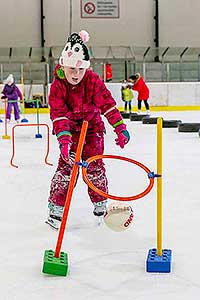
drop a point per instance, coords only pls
(94, 145)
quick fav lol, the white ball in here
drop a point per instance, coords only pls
(118, 216)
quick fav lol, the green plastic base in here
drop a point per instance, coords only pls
(56, 266)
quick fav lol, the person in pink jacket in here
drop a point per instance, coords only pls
(78, 94)
(140, 86)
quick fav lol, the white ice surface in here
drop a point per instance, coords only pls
(103, 265)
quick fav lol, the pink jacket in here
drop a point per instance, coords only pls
(70, 105)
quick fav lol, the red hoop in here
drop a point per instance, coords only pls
(94, 188)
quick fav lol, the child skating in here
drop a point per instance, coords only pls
(127, 97)
(12, 93)
(78, 94)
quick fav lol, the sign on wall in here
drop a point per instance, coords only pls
(100, 9)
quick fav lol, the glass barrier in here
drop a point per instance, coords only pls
(155, 64)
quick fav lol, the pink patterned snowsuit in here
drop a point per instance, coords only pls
(70, 105)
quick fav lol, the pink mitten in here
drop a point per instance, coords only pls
(64, 150)
(65, 144)
(123, 136)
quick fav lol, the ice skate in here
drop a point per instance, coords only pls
(100, 208)
(148, 112)
(55, 211)
(100, 221)
(55, 215)
(55, 224)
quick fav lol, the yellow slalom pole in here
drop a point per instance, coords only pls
(159, 187)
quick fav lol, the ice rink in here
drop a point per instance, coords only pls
(103, 265)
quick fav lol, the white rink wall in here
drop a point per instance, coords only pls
(135, 25)
(165, 94)
(161, 94)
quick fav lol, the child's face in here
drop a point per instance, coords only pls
(74, 75)
(10, 82)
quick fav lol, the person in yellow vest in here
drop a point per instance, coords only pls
(127, 96)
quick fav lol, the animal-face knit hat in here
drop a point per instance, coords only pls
(75, 53)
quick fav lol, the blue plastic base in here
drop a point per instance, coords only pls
(1, 121)
(38, 136)
(160, 264)
(24, 120)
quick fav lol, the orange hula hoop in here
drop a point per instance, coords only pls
(94, 188)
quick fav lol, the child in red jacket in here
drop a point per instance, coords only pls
(78, 94)
(140, 86)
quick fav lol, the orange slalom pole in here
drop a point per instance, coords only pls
(71, 188)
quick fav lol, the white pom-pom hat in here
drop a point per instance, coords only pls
(10, 79)
(75, 53)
